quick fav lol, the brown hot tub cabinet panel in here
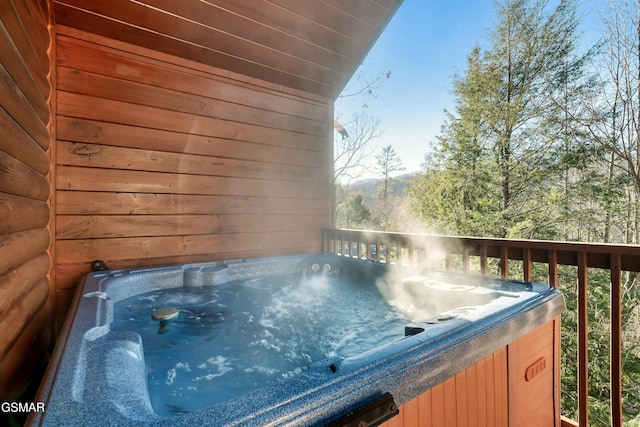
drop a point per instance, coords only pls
(534, 377)
(515, 386)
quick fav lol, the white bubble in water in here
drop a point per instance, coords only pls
(183, 366)
(218, 363)
(171, 375)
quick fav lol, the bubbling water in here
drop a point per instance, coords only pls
(235, 337)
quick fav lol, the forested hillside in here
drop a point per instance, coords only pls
(543, 143)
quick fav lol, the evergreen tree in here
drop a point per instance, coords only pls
(536, 149)
(353, 212)
(499, 139)
(388, 162)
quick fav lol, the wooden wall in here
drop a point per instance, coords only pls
(25, 308)
(160, 160)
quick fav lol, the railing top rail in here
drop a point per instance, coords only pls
(598, 252)
(608, 248)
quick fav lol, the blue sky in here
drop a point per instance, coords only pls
(424, 45)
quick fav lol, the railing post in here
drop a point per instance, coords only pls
(583, 342)
(616, 340)
(465, 259)
(327, 240)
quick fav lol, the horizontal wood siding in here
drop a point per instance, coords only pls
(25, 308)
(160, 160)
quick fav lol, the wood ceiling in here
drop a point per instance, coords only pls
(309, 45)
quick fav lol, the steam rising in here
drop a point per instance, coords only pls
(415, 288)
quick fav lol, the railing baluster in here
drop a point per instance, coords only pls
(447, 261)
(526, 264)
(553, 268)
(465, 259)
(583, 342)
(504, 262)
(616, 340)
(484, 270)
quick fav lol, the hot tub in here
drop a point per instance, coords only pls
(293, 340)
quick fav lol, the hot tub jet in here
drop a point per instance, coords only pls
(164, 315)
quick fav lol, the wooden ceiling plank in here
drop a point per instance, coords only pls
(364, 10)
(327, 15)
(389, 4)
(91, 22)
(188, 32)
(264, 34)
(296, 25)
(308, 46)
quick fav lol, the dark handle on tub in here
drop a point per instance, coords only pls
(369, 415)
(535, 368)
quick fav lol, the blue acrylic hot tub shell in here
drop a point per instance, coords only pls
(97, 376)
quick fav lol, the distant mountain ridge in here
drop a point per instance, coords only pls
(369, 186)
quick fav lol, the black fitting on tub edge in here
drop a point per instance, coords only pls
(99, 265)
(370, 414)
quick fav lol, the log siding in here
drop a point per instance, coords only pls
(25, 305)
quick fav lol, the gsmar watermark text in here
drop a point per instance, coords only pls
(21, 407)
